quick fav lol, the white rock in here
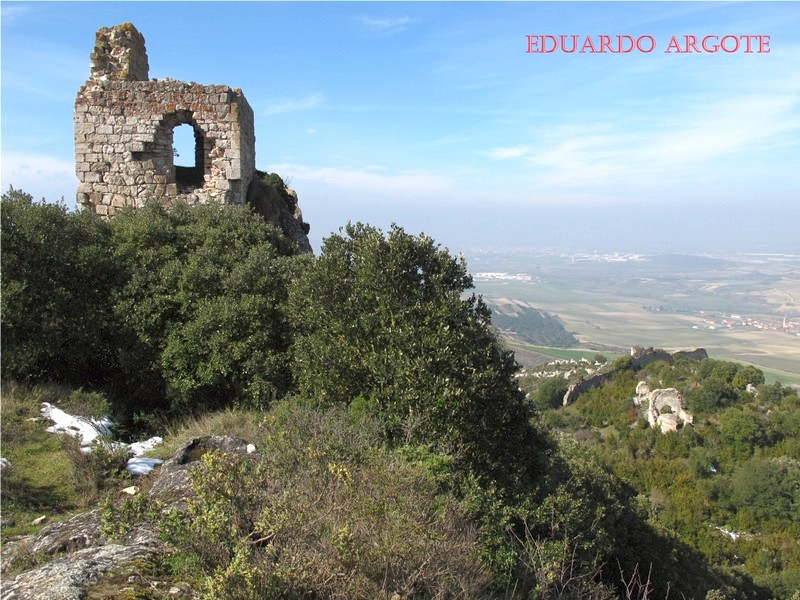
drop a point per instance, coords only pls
(139, 448)
(142, 466)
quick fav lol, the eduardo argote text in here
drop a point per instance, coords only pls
(645, 44)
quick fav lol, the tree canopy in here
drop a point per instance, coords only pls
(386, 319)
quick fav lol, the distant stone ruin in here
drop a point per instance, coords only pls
(124, 127)
(640, 357)
(666, 409)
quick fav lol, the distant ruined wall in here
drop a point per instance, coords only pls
(640, 357)
(696, 354)
(124, 127)
(584, 385)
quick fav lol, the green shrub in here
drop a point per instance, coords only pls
(325, 512)
(550, 393)
(384, 316)
(58, 276)
(200, 308)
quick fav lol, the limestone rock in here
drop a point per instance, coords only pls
(666, 410)
(267, 202)
(82, 556)
(642, 390)
(173, 483)
(81, 531)
(69, 577)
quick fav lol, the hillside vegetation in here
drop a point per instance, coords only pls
(531, 325)
(398, 456)
(728, 485)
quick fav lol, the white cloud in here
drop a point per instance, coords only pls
(39, 175)
(385, 25)
(12, 12)
(370, 182)
(701, 142)
(284, 105)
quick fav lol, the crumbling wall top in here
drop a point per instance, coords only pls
(119, 54)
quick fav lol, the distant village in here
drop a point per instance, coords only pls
(734, 321)
(713, 321)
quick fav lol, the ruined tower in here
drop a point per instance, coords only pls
(124, 127)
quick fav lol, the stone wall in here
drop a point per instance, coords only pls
(641, 357)
(696, 354)
(124, 133)
(584, 385)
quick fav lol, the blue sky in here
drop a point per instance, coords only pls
(432, 115)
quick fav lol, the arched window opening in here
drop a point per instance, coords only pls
(188, 154)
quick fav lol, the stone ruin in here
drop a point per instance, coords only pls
(124, 126)
(666, 408)
(641, 357)
(124, 130)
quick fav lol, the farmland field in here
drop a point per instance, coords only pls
(744, 308)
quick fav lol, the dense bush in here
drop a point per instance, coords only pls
(550, 393)
(171, 310)
(58, 276)
(384, 318)
(201, 305)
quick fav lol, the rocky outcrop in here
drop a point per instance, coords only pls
(666, 408)
(640, 357)
(173, 485)
(279, 207)
(69, 577)
(73, 555)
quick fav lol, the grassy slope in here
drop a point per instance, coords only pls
(48, 475)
